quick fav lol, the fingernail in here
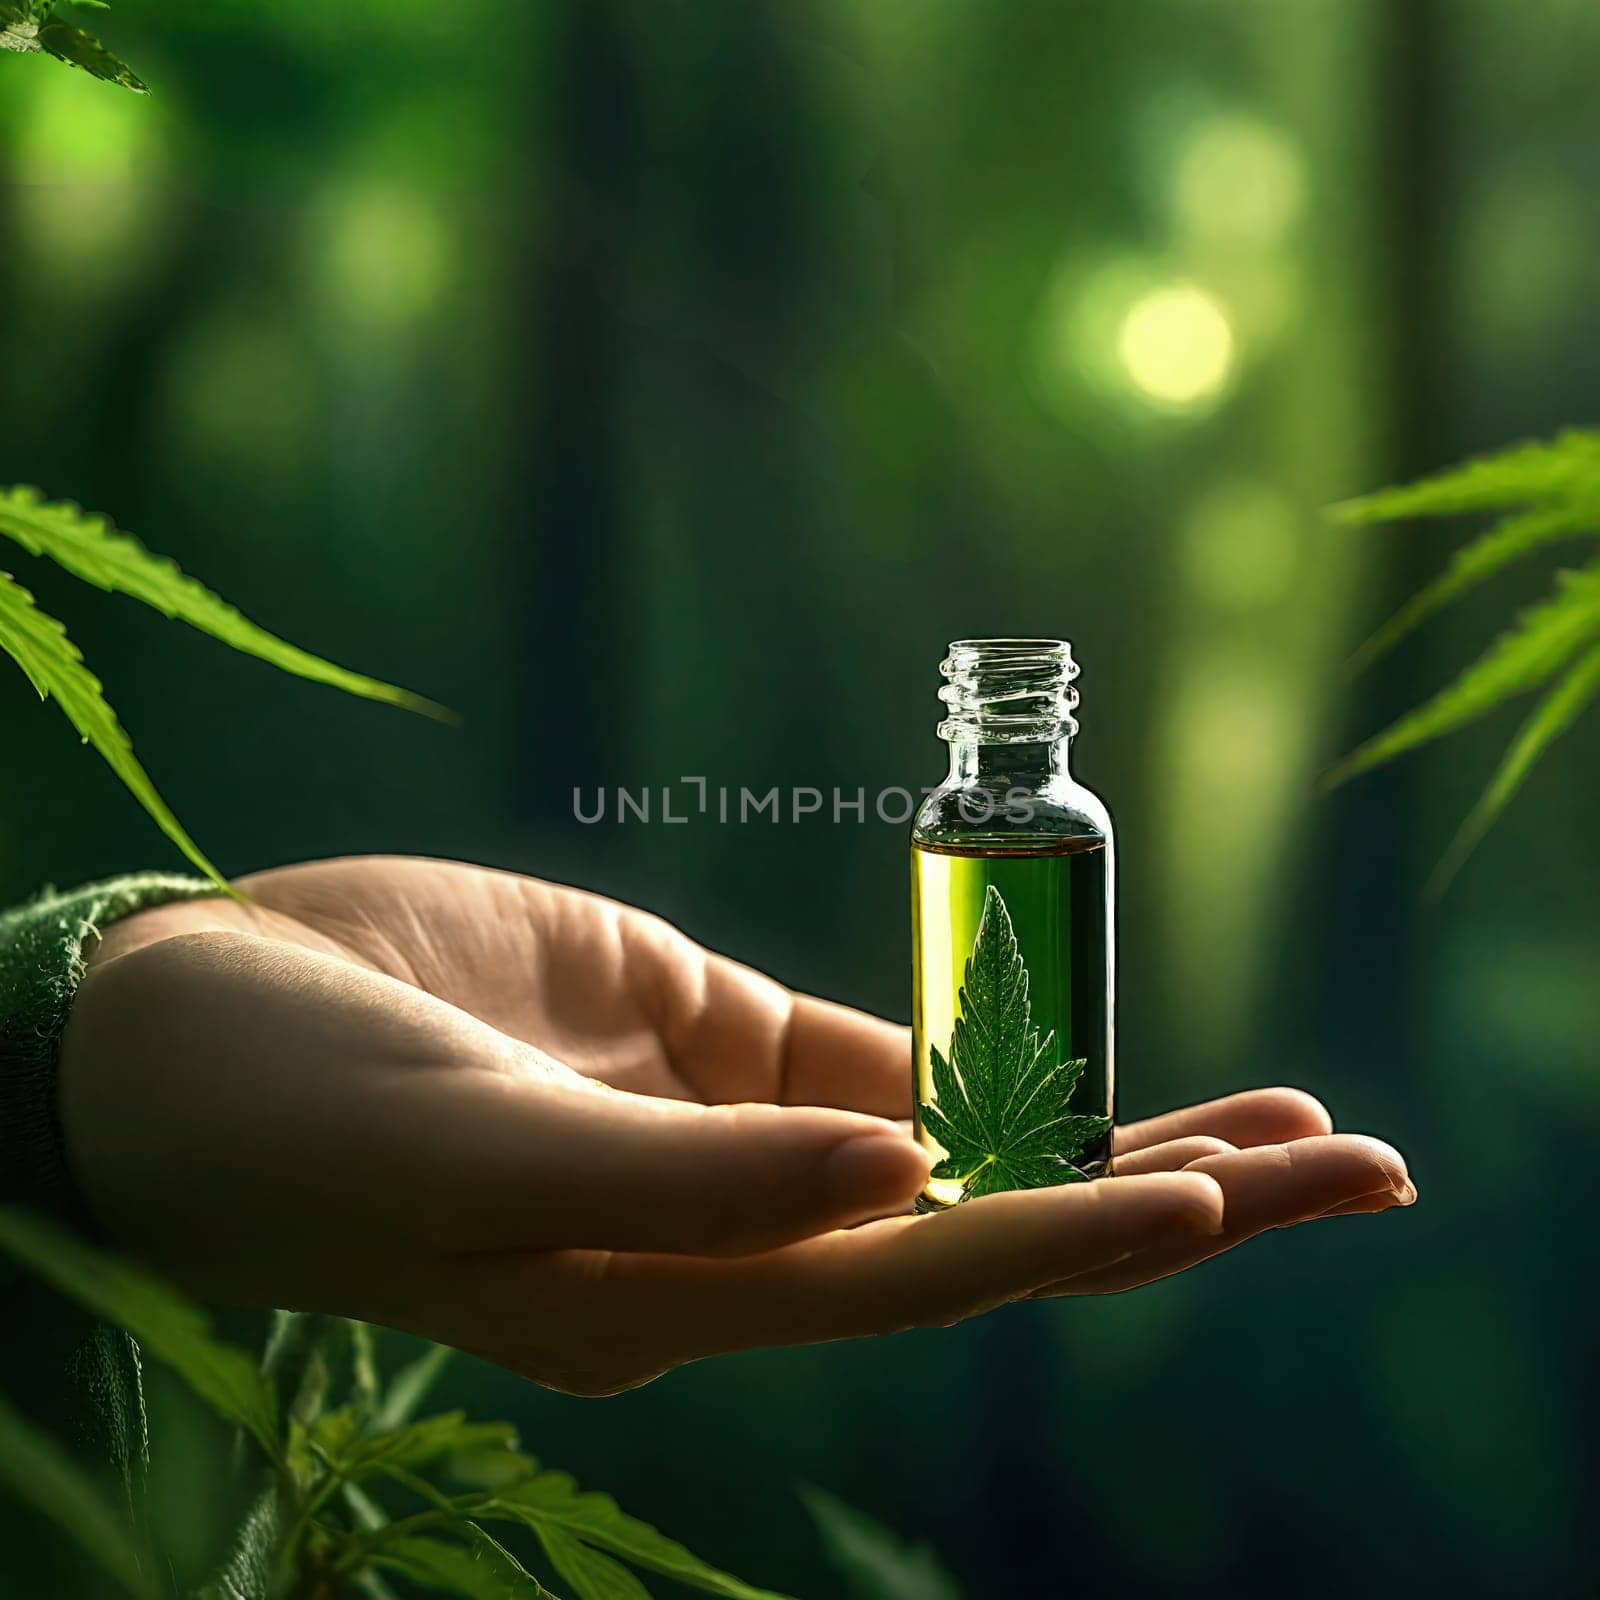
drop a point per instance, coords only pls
(874, 1166)
(1406, 1196)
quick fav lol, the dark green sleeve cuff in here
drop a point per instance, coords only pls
(41, 965)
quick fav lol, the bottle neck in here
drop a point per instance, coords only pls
(1024, 764)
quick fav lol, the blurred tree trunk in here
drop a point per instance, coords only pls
(573, 667)
(1383, 820)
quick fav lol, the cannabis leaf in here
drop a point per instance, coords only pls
(1546, 491)
(485, 1570)
(40, 646)
(1000, 1102)
(29, 26)
(552, 1504)
(91, 549)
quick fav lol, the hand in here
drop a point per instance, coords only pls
(552, 1130)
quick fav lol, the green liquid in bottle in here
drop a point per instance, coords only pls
(1012, 997)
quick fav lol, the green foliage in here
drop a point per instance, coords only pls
(89, 548)
(36, 1469)
(875, 1563)
(54, 666)
(1000, 1104)
(37, 27)
(552, 1502)
(1542, 471)
(592, 1574)
(482, 1569)
(1548, 491)
(168, 1327)
(325, 1526)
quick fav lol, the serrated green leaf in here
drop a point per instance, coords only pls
(1001, 1102)
(1544, 639)
(1526, 474)
(168, 1327)
(552, 1501)
(39, 1472)
(69, 43)
(877, 1564)
(91, 549)
(592, 1574)
(1507, 541)
(485, 1571)
(1553, 715)
(417, 1444)
(40, 646)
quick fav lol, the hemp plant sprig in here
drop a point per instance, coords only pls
(1540, 494)
(354, 1489)
(91, 549)
(37, 27)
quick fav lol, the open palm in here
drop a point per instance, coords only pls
(553, 1130)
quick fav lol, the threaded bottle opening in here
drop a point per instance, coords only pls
(1009, 691)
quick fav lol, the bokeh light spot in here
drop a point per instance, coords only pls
(1177, 347)
(1238, 181)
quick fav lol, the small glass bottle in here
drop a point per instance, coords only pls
(1012, 897)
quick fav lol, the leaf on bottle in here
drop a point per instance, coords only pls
(40, 646)
(1543, 640)
(1553, 715)
(553, 1502)
(877, 1564)
(1507, 541)
(40, 1473)
(1526, 474)
(89, 547)
(69, 43)
(167, 1327)
(592, 1574)
(1001, 1099)
(481, 1570)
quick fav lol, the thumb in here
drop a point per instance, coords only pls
(564, 1164)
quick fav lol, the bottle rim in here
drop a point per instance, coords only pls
(1009, 691)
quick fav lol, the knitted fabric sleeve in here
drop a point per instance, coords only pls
(42, 945)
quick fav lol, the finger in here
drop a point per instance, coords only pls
(836, 1056)
(1366, 1205)
(895, 1274)
(1255, 1117)
(545, 1164)
(1172, 1156)
(1271, 1186)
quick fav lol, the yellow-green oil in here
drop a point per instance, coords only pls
(1055, 891)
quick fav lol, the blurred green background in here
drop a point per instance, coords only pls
(662, 385)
